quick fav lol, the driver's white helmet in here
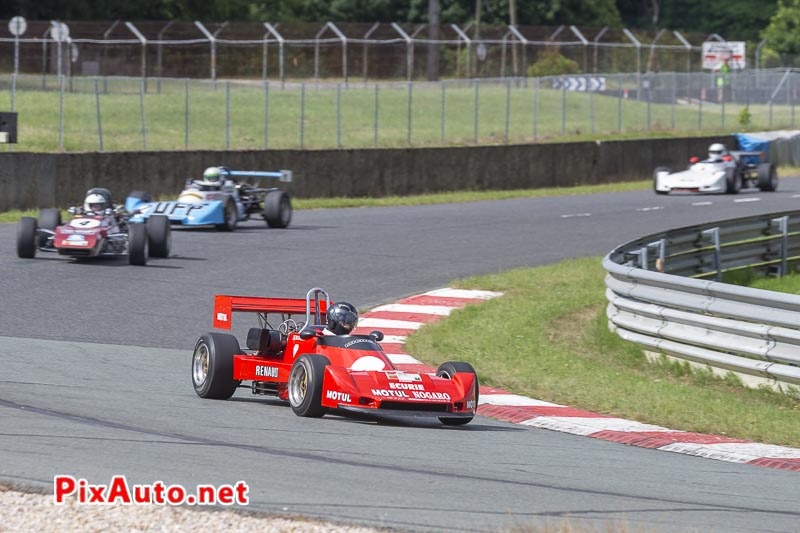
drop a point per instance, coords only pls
(95, 203)
(212, 176)
(716, 151)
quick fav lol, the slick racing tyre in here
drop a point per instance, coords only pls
(655, 179)
(448, 370)
(305, 385)
(26, 238)
(159, 236)
(277, 209)
(230, 216)
(49, 219)
(733, 182)
(767, 177)
(137, 244)
(212, 366)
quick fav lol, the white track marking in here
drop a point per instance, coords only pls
(402, 359)
(702, 203)
(513, 400)
(735, 452)
(395, 339)
(574, 215)
(439, 310)
(654, 208)
(743, 200)
(587, 426)
(796, 196)
(464, 293)
(386, 323)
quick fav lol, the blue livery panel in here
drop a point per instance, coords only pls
(200, 214)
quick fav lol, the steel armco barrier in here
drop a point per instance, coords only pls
(660, 298)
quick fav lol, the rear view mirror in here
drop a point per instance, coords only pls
(307, 333)
(694, 160)
(376, 335)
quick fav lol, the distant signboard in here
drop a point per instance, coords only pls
(716, 52)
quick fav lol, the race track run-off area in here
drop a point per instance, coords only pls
(96, 381)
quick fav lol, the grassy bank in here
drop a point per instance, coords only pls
(548, 338)
(165, 119)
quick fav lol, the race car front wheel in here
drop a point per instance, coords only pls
(305, 385)
(49, 218)
(137, 244)
(447, 371)
(26, 238)
(212, 366)
(733, 182)
(231, 217)
(767, 177)
(655, 179)
(159, 235)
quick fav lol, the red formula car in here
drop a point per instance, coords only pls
(318, 372)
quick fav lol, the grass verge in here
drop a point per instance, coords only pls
(425, 199)
(548, 338)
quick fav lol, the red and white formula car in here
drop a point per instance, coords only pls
(316, 372)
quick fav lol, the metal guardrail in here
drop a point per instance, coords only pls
(658, 296)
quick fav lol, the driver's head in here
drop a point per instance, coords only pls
(212, 176)
(716, 150)
(342, 318)
(95, 202)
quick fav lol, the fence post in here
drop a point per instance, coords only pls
(591, 108)
(302, 113)
(700, 106)
(186, 113)
(99, 119)
(266, 115)
(508, 108)
(563, 109)
(619, 104)
(228, 115)
(477, 84)
(410, 92)
(444, 108)
(61, 113)
(141, 107)
(535, 108)
(338, 115)
(674, 97)
(13, 91)
(649, 99)
(783, 227)
(375, 141)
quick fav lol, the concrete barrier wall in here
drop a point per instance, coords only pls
(31, 180)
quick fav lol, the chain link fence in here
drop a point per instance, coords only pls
(344, 51)
(132, 113)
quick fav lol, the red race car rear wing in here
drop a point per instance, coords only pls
(225, 306)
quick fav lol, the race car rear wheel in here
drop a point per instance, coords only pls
(733, 182)
(212, 366)
(137, 244)
(26, 238)
(305, 385)
(767, 177)
(448, 370)
(277, 209)
(231, 217)
(655, 179)
(159, 236)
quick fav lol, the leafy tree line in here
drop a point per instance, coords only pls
(750, 20)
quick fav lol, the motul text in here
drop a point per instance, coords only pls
(118, 491)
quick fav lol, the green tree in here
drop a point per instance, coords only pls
(783, 32)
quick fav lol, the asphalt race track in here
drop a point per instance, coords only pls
(95, 376)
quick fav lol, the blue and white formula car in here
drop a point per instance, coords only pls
(220, 200)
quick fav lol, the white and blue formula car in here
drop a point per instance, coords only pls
(723, 172)
(219, 199)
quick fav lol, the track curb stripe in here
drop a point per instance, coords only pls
(405, 316)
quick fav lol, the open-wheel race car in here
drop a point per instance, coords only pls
(219, 199)
(97, 229)
(723, 172)
(318, 371)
